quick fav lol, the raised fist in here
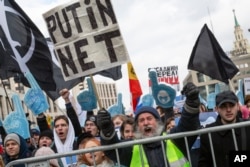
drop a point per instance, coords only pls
(191, 92)
(105, 123)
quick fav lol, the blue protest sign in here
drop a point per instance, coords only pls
(87, 98)
(163, 94)
(35, 99)
(117, 108)
(16, 121)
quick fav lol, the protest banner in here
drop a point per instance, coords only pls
(168, 74)
(86, 37)
(246, 86)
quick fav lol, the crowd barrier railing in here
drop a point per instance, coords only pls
(43, 161)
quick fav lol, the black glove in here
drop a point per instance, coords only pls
(192, 95)
(105, 123)
(168, 112)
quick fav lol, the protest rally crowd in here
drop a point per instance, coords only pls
(147, 121)
(104, 49)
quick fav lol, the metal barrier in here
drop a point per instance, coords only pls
(43, 161)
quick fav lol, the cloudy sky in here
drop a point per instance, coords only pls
(160, 33)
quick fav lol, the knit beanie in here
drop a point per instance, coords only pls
(12, 136)
(146, 109)
(48, 133)
(83, 136)
(42, 151)
(91, 118)
(35, 131)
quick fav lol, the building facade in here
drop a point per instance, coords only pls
(107, 96)
(8, 88)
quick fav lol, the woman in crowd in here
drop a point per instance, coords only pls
(127, 129)
(42, 151)
(98, 158)
(46, 139)
(118, 120)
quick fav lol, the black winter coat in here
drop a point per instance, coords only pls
(71, 113)
(222, 143)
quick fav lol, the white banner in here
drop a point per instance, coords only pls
(246, 86)
(86, 37)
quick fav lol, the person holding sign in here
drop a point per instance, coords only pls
(148, 124)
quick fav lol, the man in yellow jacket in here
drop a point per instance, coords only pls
(148, 124)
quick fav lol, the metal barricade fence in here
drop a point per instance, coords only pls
(43, 161)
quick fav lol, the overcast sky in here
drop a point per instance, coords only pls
(160, 33)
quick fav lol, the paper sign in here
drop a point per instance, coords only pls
(86, 37)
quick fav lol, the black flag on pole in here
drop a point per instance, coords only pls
(208, 58)
(23, 47)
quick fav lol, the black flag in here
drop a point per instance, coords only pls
(23, 47)
(209, 58)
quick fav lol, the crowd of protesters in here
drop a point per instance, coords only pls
(148, 121)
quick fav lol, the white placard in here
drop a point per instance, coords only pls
(247, 86)
(86, 37)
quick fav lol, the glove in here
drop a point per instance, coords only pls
(105, 123)
(168, 112)
(191, 92)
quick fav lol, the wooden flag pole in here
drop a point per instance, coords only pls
(7, 96)
(95, 91)
(231, 86)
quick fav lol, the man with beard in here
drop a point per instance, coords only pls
(148, 124)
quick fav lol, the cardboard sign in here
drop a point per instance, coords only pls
(163, 94)
(167, 74)
(247, 86)
(86, 37)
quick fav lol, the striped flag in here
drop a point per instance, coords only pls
(134, 85)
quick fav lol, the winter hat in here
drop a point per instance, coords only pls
(146, 109)
(42, 151)
(48, 133)
(12, 136)
(35, 131)
(224, 97)
(91, 118)
(83, 136)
